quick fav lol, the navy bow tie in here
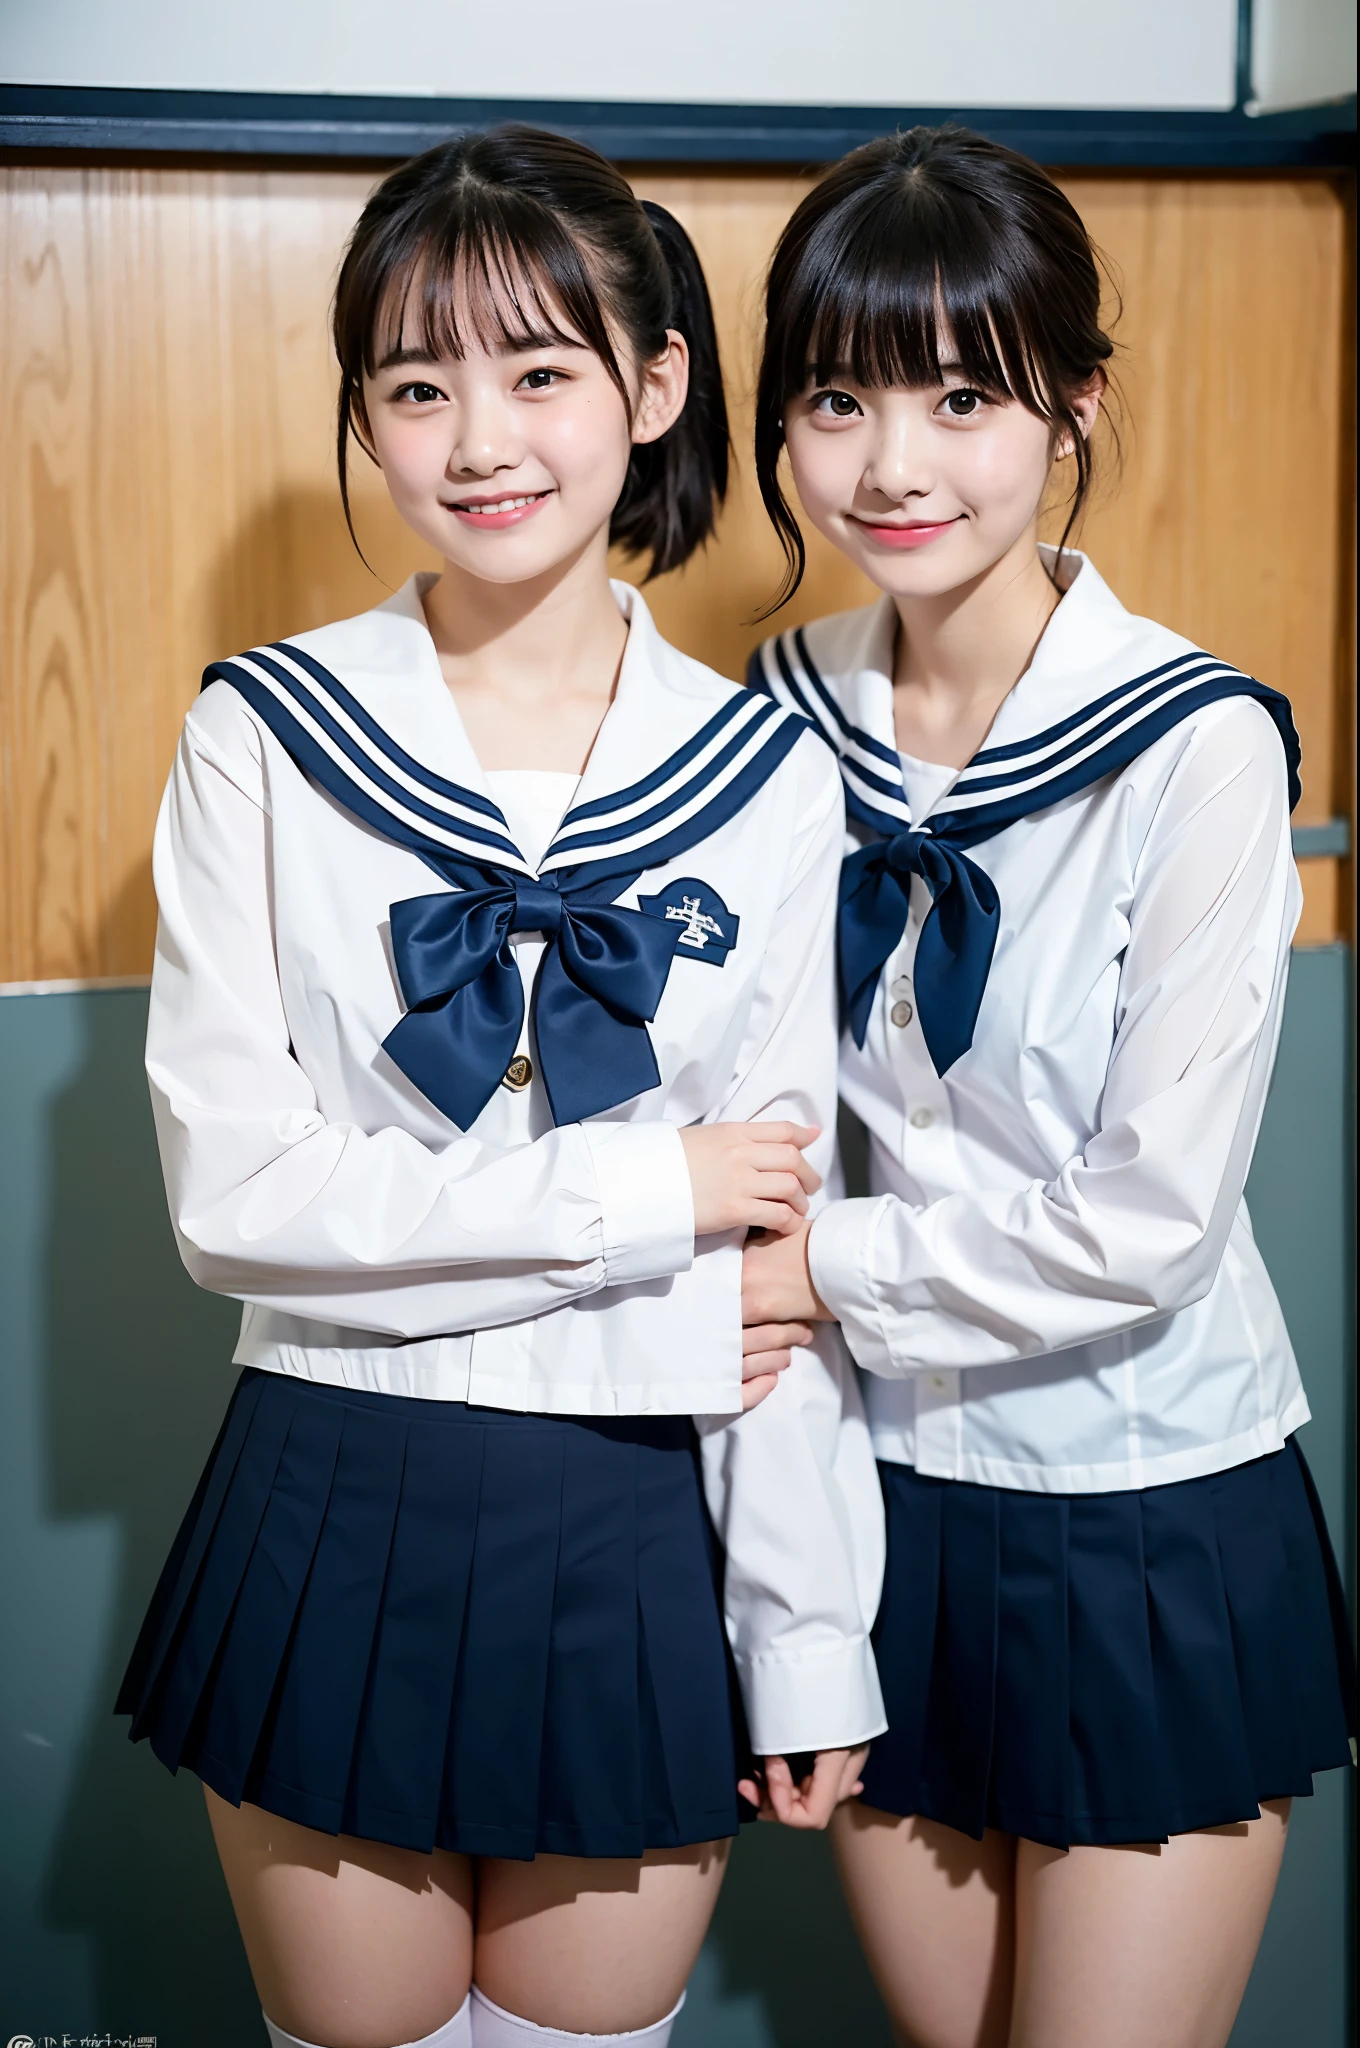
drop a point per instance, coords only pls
(953, 953)
(600, 982)
(604, 967)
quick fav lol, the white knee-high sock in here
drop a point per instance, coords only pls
(493, 2027)
(455, 2033)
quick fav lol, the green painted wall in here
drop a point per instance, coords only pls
(113, 1377)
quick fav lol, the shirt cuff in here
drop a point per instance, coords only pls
(646, 1201)
(840, 1257)
(824, 1699)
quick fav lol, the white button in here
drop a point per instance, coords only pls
(902, 985)
(922, 1119)
(901, 1014)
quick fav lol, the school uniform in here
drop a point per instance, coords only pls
(1111, 1611)
(421, 1042)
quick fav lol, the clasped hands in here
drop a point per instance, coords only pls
(754, 1176)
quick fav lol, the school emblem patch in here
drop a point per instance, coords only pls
(708, 927)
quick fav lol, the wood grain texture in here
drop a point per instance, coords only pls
(167, 497)
(167, 490)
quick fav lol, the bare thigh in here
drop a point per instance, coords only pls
(592, 1945)
(1119, 1947)
(352, 1944)
(933, 1910)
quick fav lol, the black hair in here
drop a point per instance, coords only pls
(540, 240)
(931, 228)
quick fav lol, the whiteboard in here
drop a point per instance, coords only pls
(891, 53)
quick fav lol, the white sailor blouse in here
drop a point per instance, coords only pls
(418, 1088)
(1062, 970)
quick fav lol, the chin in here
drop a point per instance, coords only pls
(917, 575)
(514, 555)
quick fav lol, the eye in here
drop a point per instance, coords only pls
(539, 380)
(835, 405)
(963, 404)
(419, 394)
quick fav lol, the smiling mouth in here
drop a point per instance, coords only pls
(506, 510)
(915, 534)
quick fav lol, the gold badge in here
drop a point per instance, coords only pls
(519, 1073)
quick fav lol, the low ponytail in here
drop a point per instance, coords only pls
(522, 234)
(675, 485)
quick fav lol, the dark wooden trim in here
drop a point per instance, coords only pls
(231, 124)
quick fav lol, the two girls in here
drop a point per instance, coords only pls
(1111, 1637)
(493, 1005)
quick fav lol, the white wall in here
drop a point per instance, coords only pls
(1302, 51)
(966, 53)
(969, 53)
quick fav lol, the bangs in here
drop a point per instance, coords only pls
(884, 296)
(517, 239)
(493, 270)
(929, 252)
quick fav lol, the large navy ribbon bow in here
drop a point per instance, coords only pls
(953, 953)
(599, 984)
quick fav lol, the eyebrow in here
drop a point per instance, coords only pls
(522, 346)
(396, 356)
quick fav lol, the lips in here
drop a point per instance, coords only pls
(918, 534)
(492, 513)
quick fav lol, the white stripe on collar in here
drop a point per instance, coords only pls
(698, 772)
(334, 739)
(1004, 775)
(872, 773)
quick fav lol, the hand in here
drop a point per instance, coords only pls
(766, 1351)
(776, 1280)
(834, 1777)
(749, 1177)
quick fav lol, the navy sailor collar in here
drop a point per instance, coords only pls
(1102, 687)
(1098, 675)
(362, 707)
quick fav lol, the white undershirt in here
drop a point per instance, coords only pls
(535, 801)
(925, 783)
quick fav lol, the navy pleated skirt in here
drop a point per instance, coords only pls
(442, 1626)
(1113, 1667)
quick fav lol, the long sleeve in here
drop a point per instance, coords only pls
(1134, 1226)
(792, 1485)
(369, 1229)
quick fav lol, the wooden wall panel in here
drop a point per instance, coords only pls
(166, 489)
(166, 432)
(1227, 522)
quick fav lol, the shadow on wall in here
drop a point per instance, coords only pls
(291, 566)
(138, 1376)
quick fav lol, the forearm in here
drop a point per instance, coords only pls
(794, 1496)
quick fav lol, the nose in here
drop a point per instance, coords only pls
(486, 436)
(901, 465)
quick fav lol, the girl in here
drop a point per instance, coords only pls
(1110, 1620)
(439, 1633)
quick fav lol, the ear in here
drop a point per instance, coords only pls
(1086, 404)
(664, 389)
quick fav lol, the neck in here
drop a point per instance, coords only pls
(530, 641)
(959, 654)
(532, 666)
